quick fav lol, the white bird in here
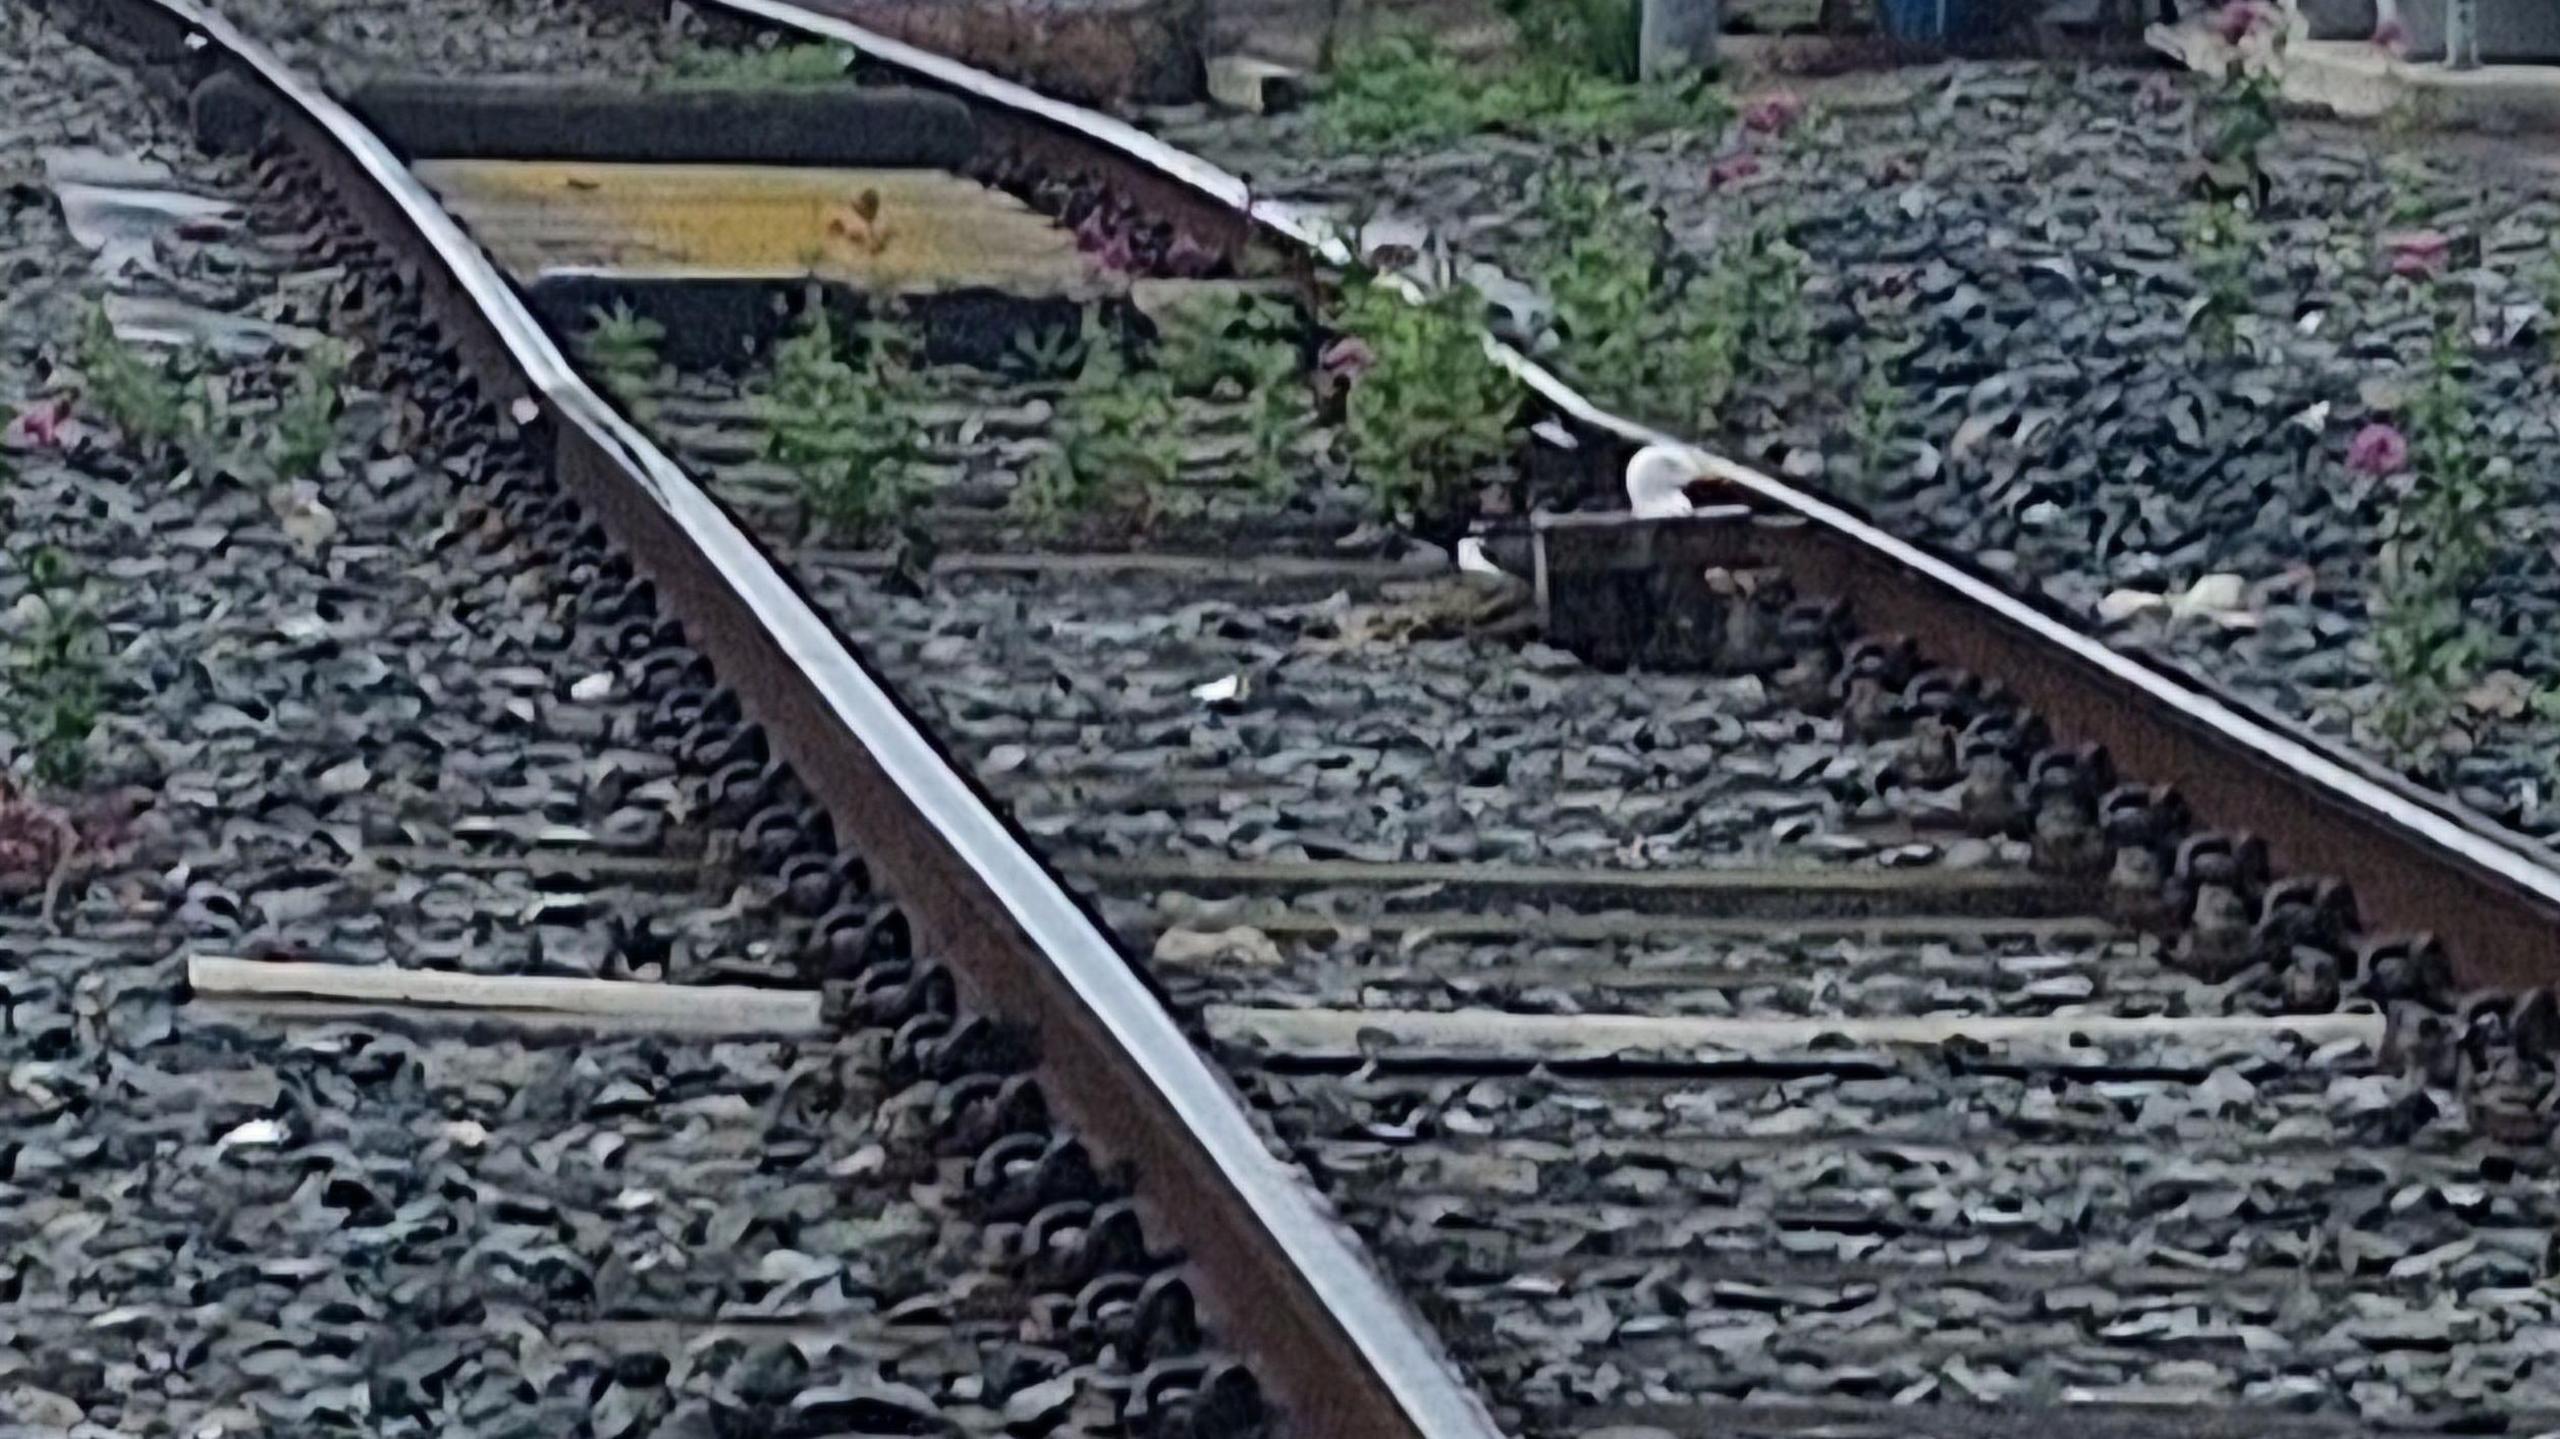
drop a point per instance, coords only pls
(1658, 480)
(1473, 560)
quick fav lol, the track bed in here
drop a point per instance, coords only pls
(1806, 1044)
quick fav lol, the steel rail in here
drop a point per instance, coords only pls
(2518, 943)
(1337, 1348)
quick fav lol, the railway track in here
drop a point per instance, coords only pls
(1793, 1035)
(438, 1041)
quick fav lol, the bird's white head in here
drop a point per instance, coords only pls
(1658, 481)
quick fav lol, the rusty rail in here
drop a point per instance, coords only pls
(1331, 1342)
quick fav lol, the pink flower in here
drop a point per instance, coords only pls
(1189, 259)
(2378, 449)
(46, 427)
(2239, 20)
(30, 834)
(2418, 254)
(1773, 114)
(2392, 37)
(1732, 169)
(1347, 358)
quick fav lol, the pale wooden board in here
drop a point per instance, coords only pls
(302, 989)
(1482, 1035)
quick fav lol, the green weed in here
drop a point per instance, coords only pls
(1429, 410)
(2402, 163)
(137, 393)
(2222, 243)
(2442, 536)
(1245, 348)
(1655, 332)
(54, 674)
(306, 421)
(1051, 352)
(1215, 343)
(1403, 91)
(178, 402)
(773, 65)
(848, 432)
(1604, 37)
(622, 344)
(1397, 90)
(1118, 447)
(2239, 115)
(1877, 421)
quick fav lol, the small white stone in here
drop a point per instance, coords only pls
(254, 1133)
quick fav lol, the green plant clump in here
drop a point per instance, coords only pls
(2222, 240)
(1652, 332)
(1431, 409)
(774, 65)
(1245, 348)
(1403, 91)
(1118, 445)
(1878, 417)
(306, 422)
(622, 344)
(138, 394)
(2442, 537)
(175, 402)
(2238, 118)
(848, 432)
(1603, 36)
(54, 674)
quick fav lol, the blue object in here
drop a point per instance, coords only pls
(1932, 22)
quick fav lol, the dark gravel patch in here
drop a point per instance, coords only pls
(347, 41)
(2297, 1238)
(363, 716)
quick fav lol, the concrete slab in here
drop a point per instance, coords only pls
(1260, 87)
(2504, 31)
(880, 231)
(2358, 80)
(530, 117)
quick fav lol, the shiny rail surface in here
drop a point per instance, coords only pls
(1337, 1348)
